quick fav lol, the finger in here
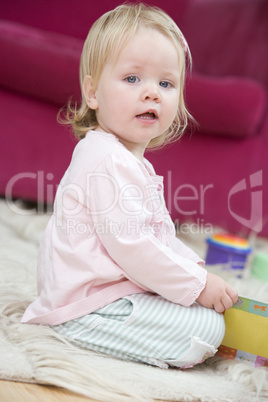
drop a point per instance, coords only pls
(227, 301)
(219, 307)
(232, 293)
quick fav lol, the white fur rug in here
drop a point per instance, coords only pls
(37, 354)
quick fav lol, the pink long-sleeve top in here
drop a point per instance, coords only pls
(110, 236)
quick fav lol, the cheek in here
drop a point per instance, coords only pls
(113, 107)
(122, 103)
(172, 106)
(105, 102)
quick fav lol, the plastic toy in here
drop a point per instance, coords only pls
(229, 250)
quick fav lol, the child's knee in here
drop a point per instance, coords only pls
(213, 329)
(210, 326)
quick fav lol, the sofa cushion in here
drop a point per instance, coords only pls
(46, 65)
(231, 106)
(74, 18)
(228, 37)
(35, 150)
(39, 63)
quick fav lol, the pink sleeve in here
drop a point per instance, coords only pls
(180, 248)
(121, 203)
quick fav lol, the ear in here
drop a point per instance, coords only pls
(90, 93)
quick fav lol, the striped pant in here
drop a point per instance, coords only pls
(147, 328)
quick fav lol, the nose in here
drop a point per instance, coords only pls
(151, 92)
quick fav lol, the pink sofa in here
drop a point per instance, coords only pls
(217, 173)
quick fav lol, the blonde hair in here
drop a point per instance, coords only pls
(107, 36)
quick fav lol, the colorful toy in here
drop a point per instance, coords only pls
(229, 250)
(246, 333)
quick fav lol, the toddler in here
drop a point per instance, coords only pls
(112, 275)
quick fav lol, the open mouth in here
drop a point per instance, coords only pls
(147, 116)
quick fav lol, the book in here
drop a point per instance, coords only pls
(246, 335)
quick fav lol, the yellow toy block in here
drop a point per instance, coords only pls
(246, 336)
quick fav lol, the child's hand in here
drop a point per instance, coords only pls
(217, 294)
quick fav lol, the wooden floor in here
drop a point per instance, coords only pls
(11, 391)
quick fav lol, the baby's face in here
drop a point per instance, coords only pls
(137, 96)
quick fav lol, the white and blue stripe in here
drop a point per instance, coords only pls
(147, 328)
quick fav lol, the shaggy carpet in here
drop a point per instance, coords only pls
(37, 354)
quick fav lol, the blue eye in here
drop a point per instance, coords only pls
(132, 79)
(165, 84)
